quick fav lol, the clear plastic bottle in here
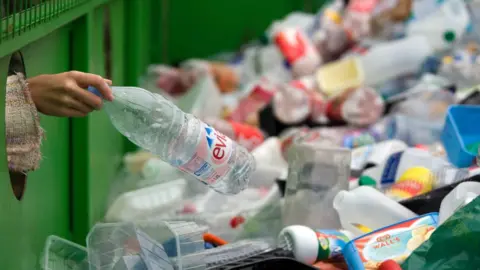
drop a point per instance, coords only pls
(291, 103)
(155, 124)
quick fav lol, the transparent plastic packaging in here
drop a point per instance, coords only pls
(233, 252)
(316, 174)
(158, 245)
(61, 254)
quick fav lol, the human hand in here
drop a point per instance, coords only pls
(64, 94)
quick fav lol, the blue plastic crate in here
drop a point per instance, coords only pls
(461, 130)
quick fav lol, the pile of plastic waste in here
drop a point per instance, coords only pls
(348, 137)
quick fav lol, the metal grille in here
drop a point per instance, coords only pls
(18, 16)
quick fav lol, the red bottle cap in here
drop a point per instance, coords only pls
(389, 265)
(236, 221)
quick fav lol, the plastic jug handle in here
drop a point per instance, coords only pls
(94, 91)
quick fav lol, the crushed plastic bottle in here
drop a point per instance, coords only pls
(298, 50)
(155, 124)
(291, 103)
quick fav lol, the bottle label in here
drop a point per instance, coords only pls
(319, 108)
(394, 242)
(362, 107)
(211, 159)
(406, 189)
(292, 43)
(362, 6)
(360, 157)
(359, 138)
(391, 166)
(260, 95)
(334, 107)
(246, 135)
(330, 244)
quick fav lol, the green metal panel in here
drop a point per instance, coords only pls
(67, 194)
(192, 28)
(45, 207)
(200, 28)
(98, 147)
(25, 26)
(139, 46)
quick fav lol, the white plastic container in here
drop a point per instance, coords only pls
(365, 209)
(462, 195)
(381, 63)
(397, 163)
(442, 27)
(375, 154)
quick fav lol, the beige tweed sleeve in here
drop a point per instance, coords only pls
(23, 131)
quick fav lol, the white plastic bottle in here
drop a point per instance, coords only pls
(397, 163)
(445, 25)
(155, 124)
(381, 63)
(309, 246)
(365, 209)
(291, 103)
(462, 195)
(375, 154)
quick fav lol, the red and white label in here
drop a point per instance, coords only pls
(260, 96)
(210, 161)
(292, 43)
(362, 6)
(246, 135)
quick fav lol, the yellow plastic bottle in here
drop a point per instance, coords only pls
(413, 182)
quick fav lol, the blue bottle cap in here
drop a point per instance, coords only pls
(94, 91)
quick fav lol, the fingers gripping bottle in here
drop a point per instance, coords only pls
(157, 125)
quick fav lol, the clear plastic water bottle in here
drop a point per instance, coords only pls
(157, 125)
(292, 101)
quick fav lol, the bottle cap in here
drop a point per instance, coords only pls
(94, 91)
(302, 241)
(367, 181)
(333, 16)
(473, 148)
(389, 265)
(449, 36)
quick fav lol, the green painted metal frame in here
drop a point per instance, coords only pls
(45, 207)
(42, 28)
(98, 147)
